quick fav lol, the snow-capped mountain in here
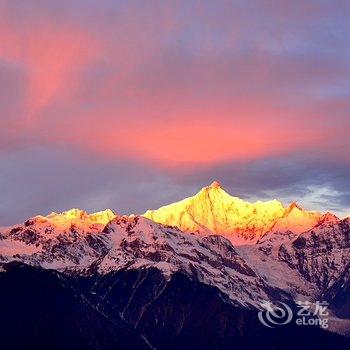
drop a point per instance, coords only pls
(296, 219)
(302, 264)
(248, 251)
(214, 211)
(56, 240)
(132, 243)
(321, 254)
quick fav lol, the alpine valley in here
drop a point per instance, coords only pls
(192, 274)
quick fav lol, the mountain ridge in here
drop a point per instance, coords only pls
(293, 254)
(213, 211)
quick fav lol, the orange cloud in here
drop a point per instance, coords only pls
(194, 138)
(54, 56)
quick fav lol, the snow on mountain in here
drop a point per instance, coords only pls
(267, 247)
(140, 242)
(56, 240)
(321, 254)
(80, 218)
(214, 211)
(265, 259)
(305, 264)
(297, 220)
(132, 243)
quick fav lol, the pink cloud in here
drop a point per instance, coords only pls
(154, 85)
(51, 56)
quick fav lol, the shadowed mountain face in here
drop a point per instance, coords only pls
(339, 296)
(40, 309)
(43, 309)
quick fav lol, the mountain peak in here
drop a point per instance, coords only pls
(294, 205)
(214, 211)
(103, 217)
(75, 214)
(215, 184)
(214, 195)
(297, 220)
(78, 215)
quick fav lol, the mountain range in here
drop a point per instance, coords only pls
(189, 274)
